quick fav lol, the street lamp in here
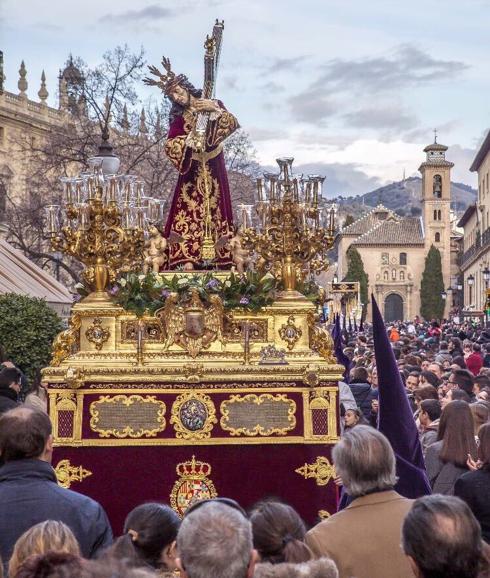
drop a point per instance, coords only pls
(486, 275)
(471, 280)
(486, 278)
(444, 295)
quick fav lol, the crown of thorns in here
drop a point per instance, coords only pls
(166, 81)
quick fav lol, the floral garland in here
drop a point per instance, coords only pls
(145, 294)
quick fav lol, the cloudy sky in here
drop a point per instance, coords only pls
(352, 89)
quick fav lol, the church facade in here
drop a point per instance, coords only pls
(393, 249)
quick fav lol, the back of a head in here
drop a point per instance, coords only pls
(464, 380)
(456, 430)
(480, 412)
(215, 540)
(148, 529)
(432, 407)
(53, 565)
(278, 533)
(365, 461)
(359, 375)
(110, 567)
(24, 433)
(321, 568)
(443, 538)
(48, 536)
(9, 375)
(425, 392)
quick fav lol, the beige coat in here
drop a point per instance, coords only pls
(364, 539)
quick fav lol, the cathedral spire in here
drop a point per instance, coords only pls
(142, 127)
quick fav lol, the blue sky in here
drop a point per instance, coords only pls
(351, 88)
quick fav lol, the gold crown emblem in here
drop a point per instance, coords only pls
(193, 468)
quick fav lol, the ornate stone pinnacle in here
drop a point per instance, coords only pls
(22, 84)
(43, 93)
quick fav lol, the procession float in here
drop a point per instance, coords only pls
(196, 364)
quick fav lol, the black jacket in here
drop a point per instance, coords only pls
(363, 394)
(29, 494)
(474, 489)
(8, 399)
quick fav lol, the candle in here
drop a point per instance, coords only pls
(260, 189)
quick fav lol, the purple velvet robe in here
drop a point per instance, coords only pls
(186, 215)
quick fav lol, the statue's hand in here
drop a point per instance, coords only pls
(206, 105)
(152, 82)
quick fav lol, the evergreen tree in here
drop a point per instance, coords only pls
(349, 219)
(431, 287)
(355, 272)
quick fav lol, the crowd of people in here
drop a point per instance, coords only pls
(47, 531)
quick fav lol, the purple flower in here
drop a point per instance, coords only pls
(212, 284)
(244, 301)
(165, 293)
(114, 290)
(76, 297)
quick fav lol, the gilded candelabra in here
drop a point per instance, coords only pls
(294, 231)
(104, 223)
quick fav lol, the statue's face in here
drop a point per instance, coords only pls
(180, 95)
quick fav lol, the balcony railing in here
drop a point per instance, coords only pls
(481, 242)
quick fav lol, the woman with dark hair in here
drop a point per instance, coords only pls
(474, 487)
(149, 537)
(278, 533)
(446, 460)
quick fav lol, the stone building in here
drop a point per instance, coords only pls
(23, 119)
(393, 249)
(475, 258)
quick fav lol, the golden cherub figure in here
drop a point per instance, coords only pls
(154, 251)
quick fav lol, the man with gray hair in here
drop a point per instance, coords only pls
(215, 540)
(364, 539)
(442, 537)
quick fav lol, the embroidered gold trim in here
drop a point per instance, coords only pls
(67, 474)
(258, 400)
(322, 471)
(136, 429)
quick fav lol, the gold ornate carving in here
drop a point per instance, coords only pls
(97, 334)
(67, 474)
(323, 514)
(193, 326)
(321, 341)
(74, 377)
(233, 330)
(290, 333)
(322, 471)
(192, 486)
(67, 341)
(124, 416)
(262, 415)
(152, 331)
(193, 416)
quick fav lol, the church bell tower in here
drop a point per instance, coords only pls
(436, 205)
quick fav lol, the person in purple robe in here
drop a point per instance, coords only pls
(201, 205)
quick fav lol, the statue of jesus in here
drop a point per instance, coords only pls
(201, 211)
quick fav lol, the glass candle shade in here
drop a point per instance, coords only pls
(52, 219)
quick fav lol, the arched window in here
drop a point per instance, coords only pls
(439, 215)
(403, 258)
(402, 275)
(438, 237)
(385, 276)
(393, 274)
(437, 186)
(435, 215)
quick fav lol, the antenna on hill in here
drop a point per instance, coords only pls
(404, 175)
